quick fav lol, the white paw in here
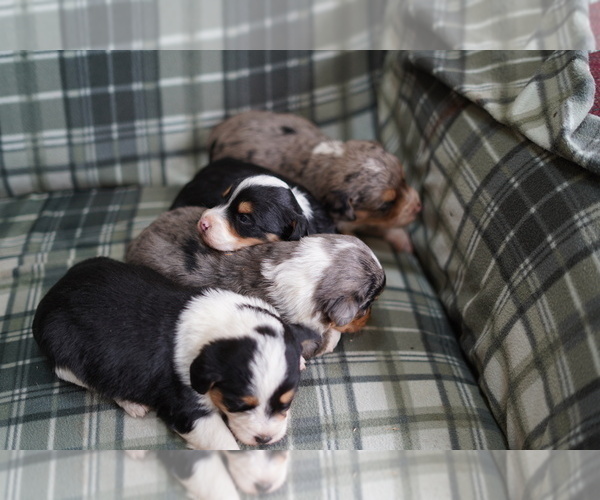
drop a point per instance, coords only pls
(399, 239)
(134, 410)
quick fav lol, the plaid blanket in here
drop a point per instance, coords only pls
(511, 225)
(351, 475)
(299, 25)
(76, 120)
(401, 383)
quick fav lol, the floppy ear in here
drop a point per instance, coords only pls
(202, 375)
(340, 204)
(308, 339)
(298, 227)
(341, 310)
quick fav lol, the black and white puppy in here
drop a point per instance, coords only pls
(212, 363)
(250, 205)
(325, 282)
(215, 475)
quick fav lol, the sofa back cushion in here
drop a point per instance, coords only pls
(510, 231)
(74, 120)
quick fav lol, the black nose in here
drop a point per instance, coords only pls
(262, 487)
(262, 439)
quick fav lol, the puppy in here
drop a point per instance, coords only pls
(250, 205)
(325, 282)
(212, 363)
(215, 475)
(360, 184)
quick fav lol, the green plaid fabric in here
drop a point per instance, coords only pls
(352, 475)
(311, 475)
(480, 24)
(401, 383)
(76, 120)
(511, 231)
(302, 24)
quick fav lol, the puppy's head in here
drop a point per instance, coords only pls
(329, 280)
(367, 184)
(249, 368)
(350, 284)
(258, 471)
(258, 209)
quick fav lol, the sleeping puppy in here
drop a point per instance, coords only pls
(360, 184)
(213, 364)
(325, 282)
(214, 475)
(250, 205)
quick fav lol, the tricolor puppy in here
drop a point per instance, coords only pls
(360, 184)
(217, 475)
(325, 282)
(250, 205)
(213, 364)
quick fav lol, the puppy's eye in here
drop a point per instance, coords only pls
(244, 218)
(240, 407)
(386, 207)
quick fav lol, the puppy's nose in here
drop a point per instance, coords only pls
(418, 206)
(262, 439)
(262, 487)
(203, 225)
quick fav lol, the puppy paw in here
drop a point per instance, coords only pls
(399, 239)
(132, 409)
(302, 364)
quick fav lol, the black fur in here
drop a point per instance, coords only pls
(276, 210)
(113, 326)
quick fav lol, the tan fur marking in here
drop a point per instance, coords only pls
(227, 191)
(272, 237)
(355, 325)
(287, 397)
(250, 400)
(389, 195)
(245, 207)
(217, 398)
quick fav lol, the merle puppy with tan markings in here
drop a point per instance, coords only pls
(325, 282)
(250, 205)
(361, 184)
(215, 365)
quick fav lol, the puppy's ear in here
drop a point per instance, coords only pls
(308, 339)
(340, 203)
(341, 310)
(297, 229)
(202, 375)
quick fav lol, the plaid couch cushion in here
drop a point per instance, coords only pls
(393, 475)
(74, 120)
(511, 232)
(400, 383)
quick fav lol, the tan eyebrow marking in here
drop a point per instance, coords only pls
(389, 195)
(245, 207)
(287, 397)
(250, 400)
(227, 191)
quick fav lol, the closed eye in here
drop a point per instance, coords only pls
(244, 219)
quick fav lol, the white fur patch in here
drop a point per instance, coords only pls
(215, 316)
(303, 202)
(218, 235)
(260, 180)
(210, 480)
(294, 282)
(210, 433)
(68, 376)
(333, 148)
(250, 469)
(132, 409)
